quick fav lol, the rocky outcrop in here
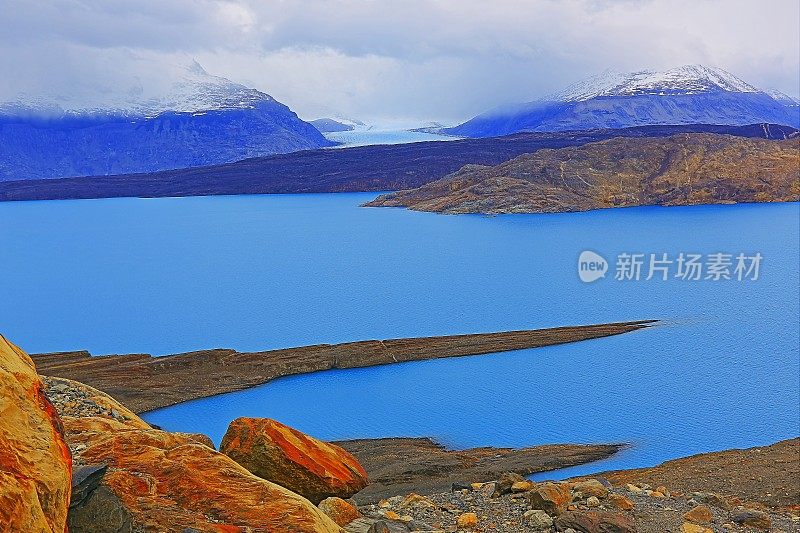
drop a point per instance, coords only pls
(685, 169)
(35, 463)
(158, 481)
(303, 464)
(143, 382)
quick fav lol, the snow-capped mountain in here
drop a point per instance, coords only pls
(688, 79)
(691, 94)
(192, 118)
(185, 89)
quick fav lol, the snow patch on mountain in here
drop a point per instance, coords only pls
(184, 89)
(688, 79)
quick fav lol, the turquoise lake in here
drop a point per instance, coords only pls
(259, 272)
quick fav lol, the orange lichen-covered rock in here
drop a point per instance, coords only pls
(552, 498)
(173, 482)
(35, 463)
(292, 459)
(341, 511)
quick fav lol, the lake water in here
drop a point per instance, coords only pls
(258, 272)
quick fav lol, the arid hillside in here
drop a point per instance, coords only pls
(683, 169)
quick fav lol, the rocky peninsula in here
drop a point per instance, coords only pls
(143, 382)
(682, 169)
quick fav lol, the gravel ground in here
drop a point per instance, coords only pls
(651, 512)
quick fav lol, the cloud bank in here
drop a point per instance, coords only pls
(387, 60)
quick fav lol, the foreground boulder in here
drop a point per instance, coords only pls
(595, 522)
(159, 481)
(35, 463)
(303, 464)
(552, 498)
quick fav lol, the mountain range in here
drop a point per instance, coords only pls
(200, 119)
(363, 168)
(691, 94)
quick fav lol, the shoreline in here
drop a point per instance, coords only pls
(145, 383)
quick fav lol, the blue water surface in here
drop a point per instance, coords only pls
(259, 272)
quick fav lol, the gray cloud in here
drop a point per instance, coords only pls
(384, 59)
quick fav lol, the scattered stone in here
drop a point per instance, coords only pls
(455, 487)
(75, 399)
(379, 527)
(688, 527)
(523, 486)
(310, 467)
(592, 501)
(538, 520)
(467, 521)
(595, 522)
(663, 490)
(630, 487)
(711, 498)
(506, 481)
(339, 510)
(751, 517)
(699, 515)
(415, 500)
(553, 498)
(591, 487)
(618, 501)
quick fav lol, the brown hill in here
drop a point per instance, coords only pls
(683, 169)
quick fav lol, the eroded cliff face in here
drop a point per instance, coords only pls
(35, 462)
(684, 169)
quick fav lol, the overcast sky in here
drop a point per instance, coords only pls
(381, 60)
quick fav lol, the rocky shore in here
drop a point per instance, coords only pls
(74, 458)
(400, 466)
(143, 382)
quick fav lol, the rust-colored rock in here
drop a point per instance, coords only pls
(595, 522)
(618, 501)
(552, 498)
(699, 515)
(303, 464)
(688, 527)
(173, 482)
(591, 487)
(467, 521)
(340, 511)
(35, 462)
